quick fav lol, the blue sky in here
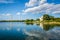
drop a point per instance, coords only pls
(28, 9)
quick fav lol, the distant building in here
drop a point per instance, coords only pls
(41, 18)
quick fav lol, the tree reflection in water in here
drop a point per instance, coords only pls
(29, 23)
(48, 32)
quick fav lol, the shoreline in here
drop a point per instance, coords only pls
(35, 22)
(51, 22)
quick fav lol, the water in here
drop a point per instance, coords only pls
(23, 31)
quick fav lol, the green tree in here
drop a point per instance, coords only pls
(46, 17)
(31, 20)
(27, 20)
(38, 19)
(51, 17)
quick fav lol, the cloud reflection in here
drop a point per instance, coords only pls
(18, 29)
(41, 35)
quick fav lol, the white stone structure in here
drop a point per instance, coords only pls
(41, 18)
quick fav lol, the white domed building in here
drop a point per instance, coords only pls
(41, 18)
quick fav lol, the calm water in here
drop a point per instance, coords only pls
(23, 31)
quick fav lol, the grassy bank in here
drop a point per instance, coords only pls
(51, 22)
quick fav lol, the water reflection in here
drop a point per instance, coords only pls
(5, 26)
(49, 32)
(22, 31)
(10, 26)
(29, 23)
(46, 27)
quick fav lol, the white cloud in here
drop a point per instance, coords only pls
(43, 7)
(38, 9)
(56, 12)
(34, 3)
(42, 2)
(6, 1)
(31, 3)
(18, 13)
(6, 14)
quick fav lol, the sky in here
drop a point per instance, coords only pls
(28, 9)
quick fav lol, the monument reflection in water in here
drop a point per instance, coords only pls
(24, 31)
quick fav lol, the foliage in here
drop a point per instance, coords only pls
(46, 17)
(37, 19)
